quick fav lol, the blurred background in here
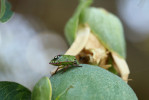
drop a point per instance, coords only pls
(35, 34)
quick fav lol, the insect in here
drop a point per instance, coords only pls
(64, 61)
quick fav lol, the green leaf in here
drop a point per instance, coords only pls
(42, 90)
(13, 91)
(63, 92)
(5, 12)
(89, 83)
(72, 24)
(107, 28)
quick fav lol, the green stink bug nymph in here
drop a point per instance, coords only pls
(64, 61)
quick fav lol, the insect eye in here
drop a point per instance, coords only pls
(55, 57)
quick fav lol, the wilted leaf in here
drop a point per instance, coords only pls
(107, 28)
(80, 41)
(105, 38)
(122, 66)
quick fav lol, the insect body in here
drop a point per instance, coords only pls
(64, 61)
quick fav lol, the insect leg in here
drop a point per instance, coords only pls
(76, 65)
(66, 68)
(55, 71)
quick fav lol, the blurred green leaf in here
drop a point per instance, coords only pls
(42, 90)
(72, 24)
(5, 12)
(13, 91)
(107, 27)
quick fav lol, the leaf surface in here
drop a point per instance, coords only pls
(72, 24)
(42, 90)
(13, 91)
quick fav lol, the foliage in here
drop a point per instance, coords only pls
(90, 83)
(13, 91)
(5, 11)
